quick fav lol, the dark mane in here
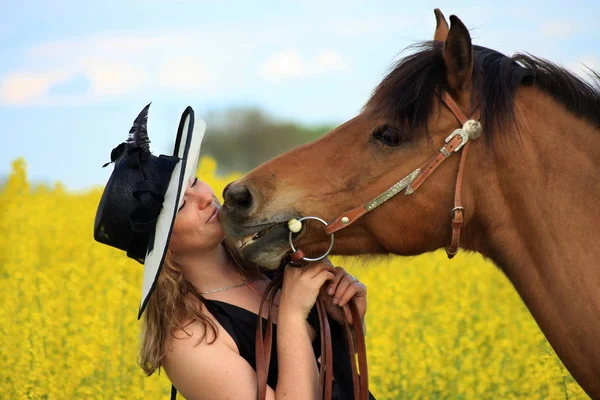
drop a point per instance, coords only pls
(406, 94)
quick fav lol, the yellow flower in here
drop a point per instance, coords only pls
(435, 328)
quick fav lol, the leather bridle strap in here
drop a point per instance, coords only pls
(451, 104)
(263, 345)
(360, 381)
(471, 129)
(457, 211)
(326, 370)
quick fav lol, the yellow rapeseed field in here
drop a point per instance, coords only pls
(436, 329)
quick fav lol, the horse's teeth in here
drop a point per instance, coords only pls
(245, 240)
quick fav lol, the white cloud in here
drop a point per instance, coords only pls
(25, 87)
(115, 65)
(556, 29)
(112, 77)
(184, 74)
(289, 64)
(328, 60)
(284, 64)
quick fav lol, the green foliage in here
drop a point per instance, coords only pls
(241, 139)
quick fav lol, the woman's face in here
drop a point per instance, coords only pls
(197, 225)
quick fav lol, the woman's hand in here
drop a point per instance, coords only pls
(301, 288)
(298, 374)
(338, 293)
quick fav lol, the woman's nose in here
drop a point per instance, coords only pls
(204, 199)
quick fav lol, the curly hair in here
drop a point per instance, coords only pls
(174, 305)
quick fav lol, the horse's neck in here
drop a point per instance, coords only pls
(541, 192)
(540, 211)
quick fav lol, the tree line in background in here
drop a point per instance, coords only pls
(240, 139)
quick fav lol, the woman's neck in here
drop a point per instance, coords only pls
(210, 270)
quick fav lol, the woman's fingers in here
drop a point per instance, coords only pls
(316, 274)
(322, 277)
(339, 275)
(355, 289)
(316, 269)
(344, 284)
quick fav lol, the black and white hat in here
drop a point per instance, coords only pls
(141, 198)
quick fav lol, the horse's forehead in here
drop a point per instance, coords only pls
(361, 122)
(439, 117)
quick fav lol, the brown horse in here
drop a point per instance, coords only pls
(530, 191)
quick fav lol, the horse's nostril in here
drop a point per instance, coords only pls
(226, 190)
(238, 197)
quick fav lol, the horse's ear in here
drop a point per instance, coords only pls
(458, 56)
(441, 26)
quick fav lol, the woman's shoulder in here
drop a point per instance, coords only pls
(195, 335)
(187, 358)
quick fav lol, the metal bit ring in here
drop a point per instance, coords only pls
(307, 258)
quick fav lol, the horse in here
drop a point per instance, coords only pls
(527, 195)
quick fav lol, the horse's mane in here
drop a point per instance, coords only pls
(406, 94)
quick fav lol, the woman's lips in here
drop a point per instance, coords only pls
(213, 216)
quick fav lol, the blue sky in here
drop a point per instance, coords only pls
(73, 75)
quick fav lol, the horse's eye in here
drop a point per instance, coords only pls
(389, 136)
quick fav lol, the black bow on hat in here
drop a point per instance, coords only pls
(133, 197)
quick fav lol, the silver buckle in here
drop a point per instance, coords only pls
(455, 209)
(458, 132)
(470, 130)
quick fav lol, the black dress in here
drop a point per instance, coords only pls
(241, 326)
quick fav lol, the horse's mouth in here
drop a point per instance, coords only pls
(264, 244)
(270, 233)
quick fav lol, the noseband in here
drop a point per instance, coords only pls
(459, 139)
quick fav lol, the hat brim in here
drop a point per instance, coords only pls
(187, 147)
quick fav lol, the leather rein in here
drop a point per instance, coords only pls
(457, 140)
(354, 334)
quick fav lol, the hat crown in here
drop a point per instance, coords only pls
(133, 196)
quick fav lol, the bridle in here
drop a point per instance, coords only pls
(457, 140)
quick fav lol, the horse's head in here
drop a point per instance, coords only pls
(402, 125)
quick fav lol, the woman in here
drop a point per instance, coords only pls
(202, 307)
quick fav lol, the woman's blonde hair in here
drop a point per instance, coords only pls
(174, 305)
